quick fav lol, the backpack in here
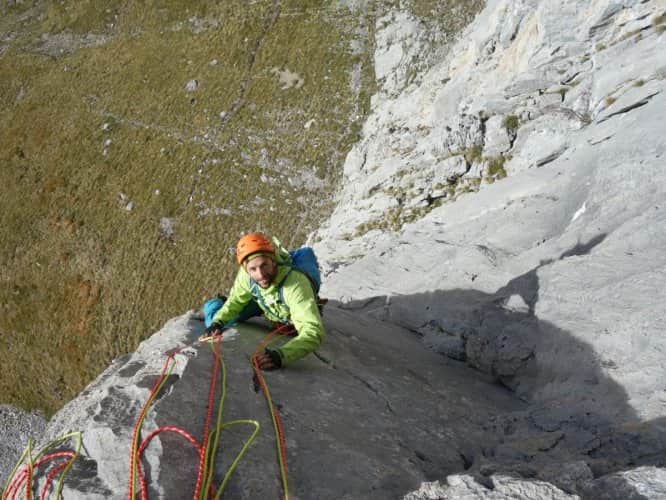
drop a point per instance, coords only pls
(302, 259)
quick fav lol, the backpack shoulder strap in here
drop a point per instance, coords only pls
(259, 298)
(281, 287)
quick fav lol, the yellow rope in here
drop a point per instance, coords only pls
(138, 425)
(211, 453)
(27, 453)
(283, 469)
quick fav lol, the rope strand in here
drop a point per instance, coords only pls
(203, 487)
(25, 473)
(275, 417)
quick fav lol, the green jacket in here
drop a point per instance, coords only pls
(299, 307)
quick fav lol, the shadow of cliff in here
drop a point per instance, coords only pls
(577, 413)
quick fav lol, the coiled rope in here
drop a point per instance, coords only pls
(24, 472)
(203, 488)
(207, 453)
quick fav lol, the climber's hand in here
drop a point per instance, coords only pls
(212, 331)
(269, 360)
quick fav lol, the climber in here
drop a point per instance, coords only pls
(267, 282)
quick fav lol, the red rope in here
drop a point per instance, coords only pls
(202, 448)
(285, 330)
(139, 422)
(25, 474)
(15, 484)
(51, 477)
(209, 415)
(144, 445)
(30, 470)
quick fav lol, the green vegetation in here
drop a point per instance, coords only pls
(511, 123)
(659, 23)
(473, 154)
(90, 130)
(441, 20)
(448, 16)
(475, 182)
(139, 139)
(391, 221)
(629, 34)
(496, 168)
(405, 212)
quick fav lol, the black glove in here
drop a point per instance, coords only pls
(213, 328)
(275, 357)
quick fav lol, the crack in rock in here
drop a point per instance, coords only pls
(630, 107)
(551, 157)
(372, 389)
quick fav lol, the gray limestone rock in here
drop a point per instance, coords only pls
(552, 278)
(464, 487)
(465, 134)
(497, 140)
(366, 417)
(16, 428)
(540, 142)
(636, 484)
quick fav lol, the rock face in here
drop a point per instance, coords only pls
(545, 270)
(372, 415)
(16, 428)
(504, 208)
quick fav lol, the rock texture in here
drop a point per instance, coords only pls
(16, 428)
(505, 209)
(372, 415)
(546, 269)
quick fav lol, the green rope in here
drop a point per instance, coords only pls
(18, 464)
(209, 462)
(240, 455)
(77, 453)
(27, 454)
(214, 437)
(283, 474)
(139, 424)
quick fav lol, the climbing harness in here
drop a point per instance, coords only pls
(24, 472)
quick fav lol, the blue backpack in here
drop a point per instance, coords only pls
(211, 307)
(304, 260)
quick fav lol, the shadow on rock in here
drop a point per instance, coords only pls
(578, 425)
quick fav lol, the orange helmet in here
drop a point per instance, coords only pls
(253, 243)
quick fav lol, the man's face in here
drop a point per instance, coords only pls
(262, 269)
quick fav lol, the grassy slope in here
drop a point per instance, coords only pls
(83, 279)
(95, 114)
